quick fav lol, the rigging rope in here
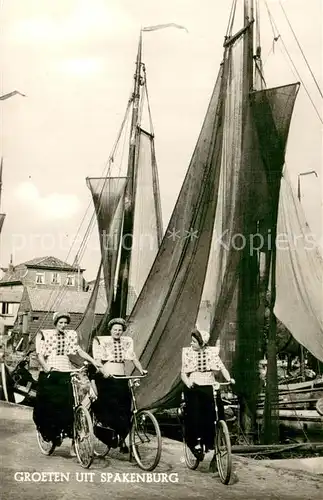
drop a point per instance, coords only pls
(55, 294)
(291, 60)
(231, 19)
(300, 48)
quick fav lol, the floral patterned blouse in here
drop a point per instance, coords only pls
(203, 360)
(56, 347)
(116, 351)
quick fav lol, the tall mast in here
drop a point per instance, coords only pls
(248, 334)
(120, 304)
(1, 167)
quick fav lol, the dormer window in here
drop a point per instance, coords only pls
(70, 280)
(56, 279)
(40, 278)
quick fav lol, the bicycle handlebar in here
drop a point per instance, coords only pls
(128, 377)
(78, 370)
(217, 385)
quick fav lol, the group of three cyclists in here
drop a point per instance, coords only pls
(53, 410)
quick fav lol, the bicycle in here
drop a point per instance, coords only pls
(83, 436)
(222, 444)
(144, 436)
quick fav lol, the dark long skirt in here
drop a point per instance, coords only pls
(200, 415)
(53, 410)
(113, 405)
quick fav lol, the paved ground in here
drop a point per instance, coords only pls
(313, 465)
(20, 455)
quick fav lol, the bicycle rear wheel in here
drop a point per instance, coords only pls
(46, 447)
(223, 451)
(83, 436)
(145, 440)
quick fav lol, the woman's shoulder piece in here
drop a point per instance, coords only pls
(126, 339)
(103, 339)
(214, 350)
(47, 332)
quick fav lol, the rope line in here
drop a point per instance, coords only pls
(300, 48)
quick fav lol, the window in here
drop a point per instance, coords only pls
(6, 308)
(35, 318)
(70, 280)
(56, 278)
(40, 278)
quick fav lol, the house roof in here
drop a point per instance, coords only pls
(67, 300)
(12, 296)
(15, 274)
(50, 262)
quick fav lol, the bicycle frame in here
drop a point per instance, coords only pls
(133, 381)
(216, 387)
(74, 377)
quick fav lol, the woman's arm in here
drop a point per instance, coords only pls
(138, 365)
(226, 373)
(43, 363)
(186, 380)
(87, 357)
(39, 351)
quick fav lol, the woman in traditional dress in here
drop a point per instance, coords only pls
(113, 405)
(53, 410)
(201, 365)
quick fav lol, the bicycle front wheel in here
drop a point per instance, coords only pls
(145, 440)
(223, 451)
(46, 447)
(83, 436)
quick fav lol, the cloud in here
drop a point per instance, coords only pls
(52, 206)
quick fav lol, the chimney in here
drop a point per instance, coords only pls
(11, 266)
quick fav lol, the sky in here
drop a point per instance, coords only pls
(74, 60)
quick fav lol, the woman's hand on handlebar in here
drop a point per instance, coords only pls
(144, 372)
(232, 381)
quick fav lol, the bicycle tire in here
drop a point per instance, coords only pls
(83, 436)
(100, 449)
(46, 447)
(222, 436)
(139, 434)
(190, 459)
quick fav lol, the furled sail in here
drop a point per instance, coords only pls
(87, 323)
(2, 218)
(108, 199)
(299, 275)
(147, 230)
(168, 304)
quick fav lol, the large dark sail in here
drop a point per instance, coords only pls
(229, 163)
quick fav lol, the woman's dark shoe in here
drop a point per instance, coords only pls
(213, 465)
(123, 447)
(57, 441)
(198, 451)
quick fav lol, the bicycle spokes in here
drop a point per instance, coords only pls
(145, 440)
(83, 436)
(223, 452)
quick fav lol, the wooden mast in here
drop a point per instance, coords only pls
(248, 329)
(120, 305)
